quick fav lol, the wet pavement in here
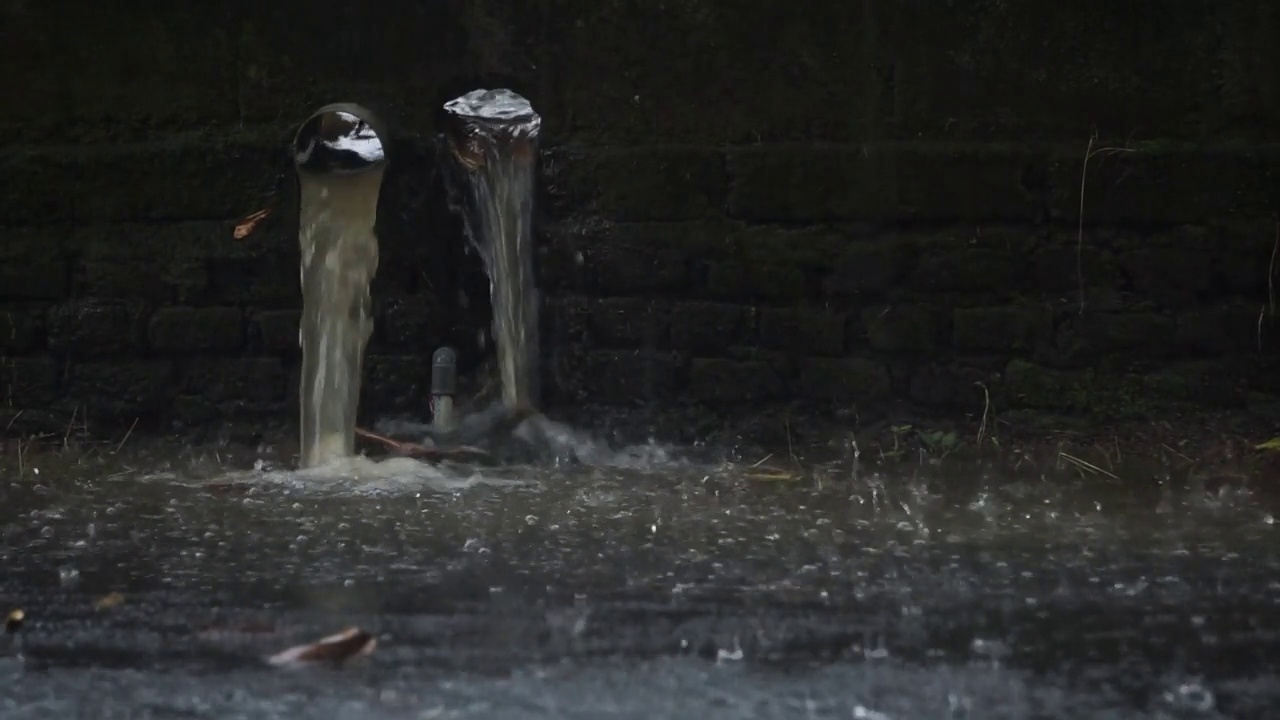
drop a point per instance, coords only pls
(652, 588)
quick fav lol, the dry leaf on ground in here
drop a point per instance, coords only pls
(333, 650)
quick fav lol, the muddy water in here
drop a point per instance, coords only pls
(681, 590)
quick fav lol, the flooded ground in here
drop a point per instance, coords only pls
(668, 589)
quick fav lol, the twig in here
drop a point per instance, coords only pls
(66, 435)
(126, 436)
(422, 452)
(986, 410)
(22, 469)
(1089, 152)
(1086, 465)
(761, 461)
(1271, 286)
(14, 419)
(786, 426)
(1175, 452)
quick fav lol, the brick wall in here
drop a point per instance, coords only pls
(741, 204)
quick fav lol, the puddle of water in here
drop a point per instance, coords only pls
(626, 588)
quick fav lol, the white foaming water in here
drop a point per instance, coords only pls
(357, 475)
(498, 104)
(358, 137)
(569, 443)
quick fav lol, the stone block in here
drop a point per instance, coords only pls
(27, 382)
(276, 331)
(809, 184)
(978, 182)
(843, 381)
(662, 184)
(120, 391)
(744, 282)
(44, 279)
(630, 323)
(709, 329)
(396, 383)
(192, 179)
(1203, 383)
(154, 280)
(723, 381)
(1170, 277)
(1060, 269)
(245, 380)
(993, 260)
(21, 330)
(901, 328)
(617, 377)
(768, 75)
(1028, 72)
(866, 270)
(803, 331)
(907, 181)
(957, 386)
(271, 280)
(1031, 386)
(194, 330)
(292, 60)
(1084, 339)
(1168, 185)
(95, 328)
(1243, 257)
(652, 257)
(773, 264)
(1216, 331)
(1000, 329)
(117, 74)
(409, 322)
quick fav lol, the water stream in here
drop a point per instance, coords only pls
(494, 140)
(340, 165)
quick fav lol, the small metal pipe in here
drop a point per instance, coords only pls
(444, 388)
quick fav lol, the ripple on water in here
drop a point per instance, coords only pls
(929, 594)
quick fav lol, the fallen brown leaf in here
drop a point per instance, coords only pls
(250, 223)
(109, 600)
(332, 650)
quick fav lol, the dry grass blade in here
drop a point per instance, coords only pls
(333, 650)
(1086, 465)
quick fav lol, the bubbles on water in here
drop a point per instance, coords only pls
(1190, 696)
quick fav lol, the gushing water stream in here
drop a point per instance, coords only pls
(494, 140)
(340, 164)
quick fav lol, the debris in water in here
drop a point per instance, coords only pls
(109, 601)
(13, 622)
(422, 452)
(332, 650)
(250, 223)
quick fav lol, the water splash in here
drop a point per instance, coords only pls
(494, 139)
(340, 164)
